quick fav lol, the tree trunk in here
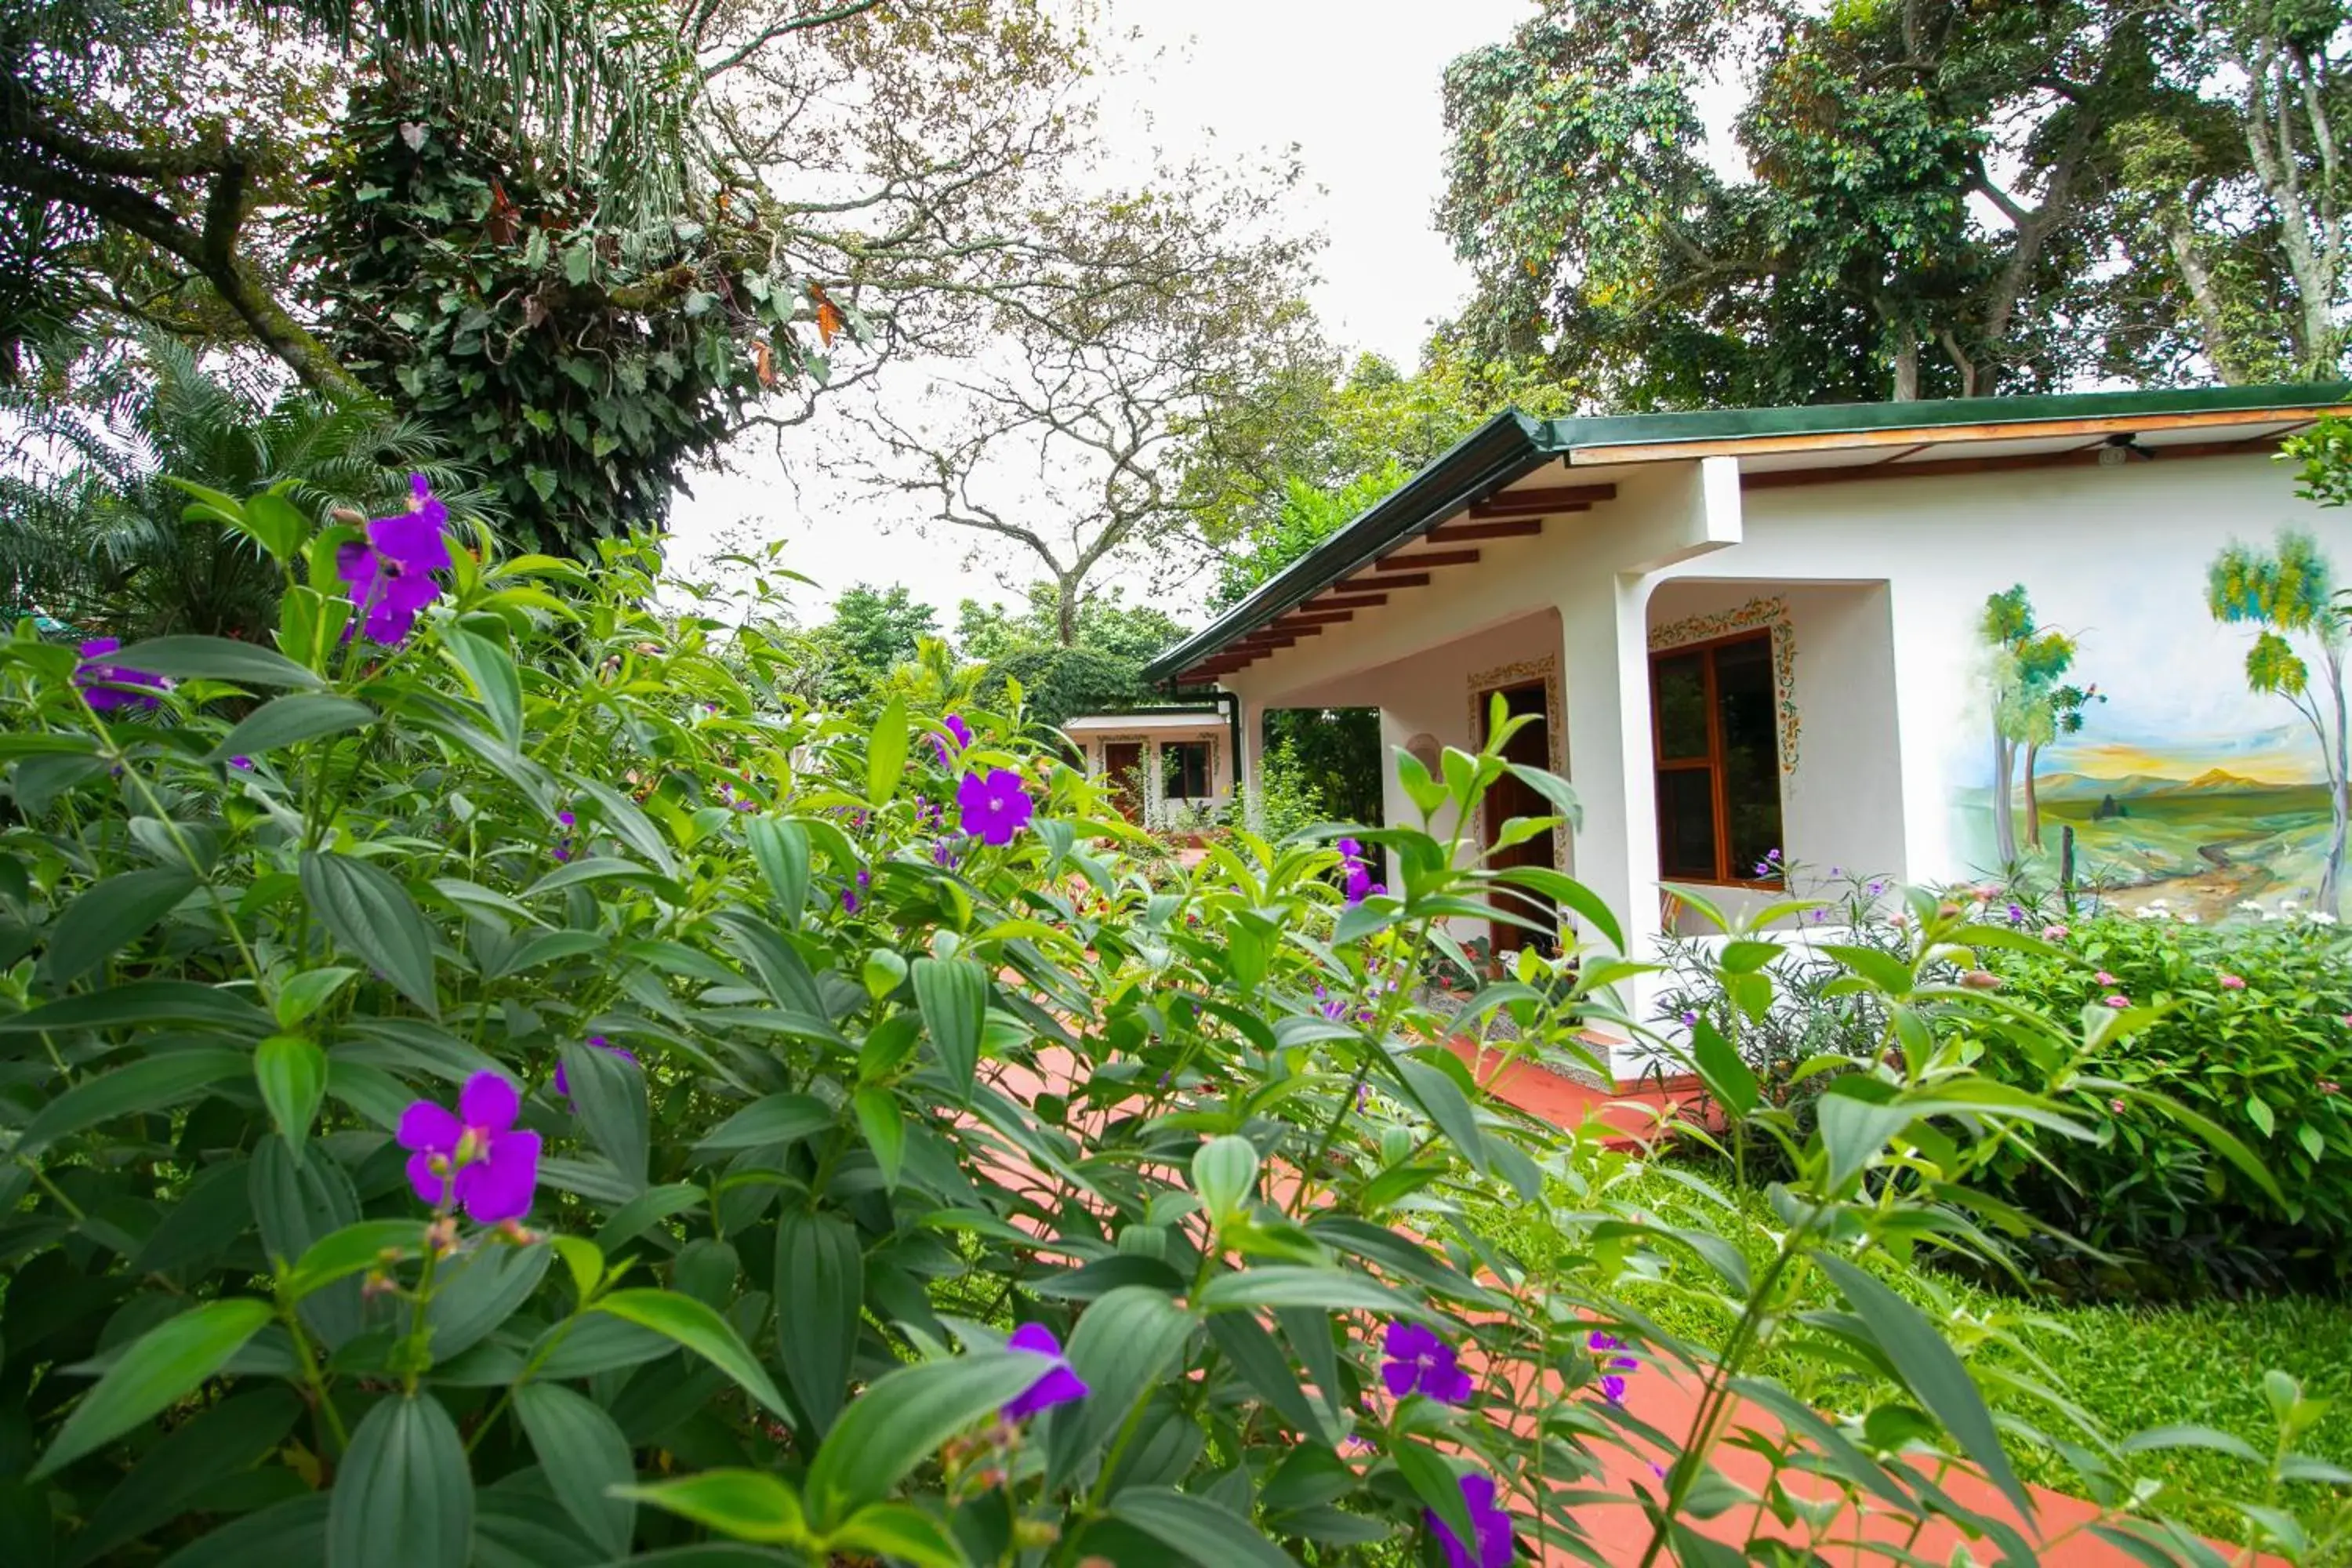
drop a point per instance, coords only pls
(2204, 298)
(1065, 610)
(2339, 780)
(1906, 373)
(2004, 826)
(2032, 799)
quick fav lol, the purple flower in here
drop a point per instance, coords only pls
(1351, 849)
(563, 850)
(1056, 1385)
(994, 808)
(852, 898)
(1612, 1384)
(391, 575)
(1356, 874)
(1690, 1020)
(2016, 914)
(473, 1156)
(946, 853)
(1419, 1362)
(242, 764)
(108, 686)
(564, 1083)
(1490, 1529)
(954, 725)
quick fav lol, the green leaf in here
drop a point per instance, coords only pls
(351, 1251)
(778, 1119)
(1854, 1128)
(1126, 1344)
(952, 995)
(145, 1002)
(885, 1126)
(294, 1530)
(608, 1091)
(698, 1328)
(626, 821)
(1435, 1482)
(781, 849)
(305, 993)
(899, 1532)
(1224, 1172)
(403, 1496)
(1930, 1369)
(820, 1286)
(1569, 894)
(490, 671)
(747, 1505)
(885, 754)
(2190, 1436)
(1726, 1074)
(2219, 1138)
(162, 1367)
(154, 1084)
(1291, 1285)
(2258, 1111)
(1197, 1529)
(110, 917)
(283, 721)
(586, 1461)
(902, 1419)
(175, 1475)
(213, 659)
(372, 916)
(292, 1073)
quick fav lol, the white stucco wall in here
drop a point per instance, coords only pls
(1886, 582)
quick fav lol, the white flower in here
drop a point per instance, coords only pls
(2187, 917)
(2320, 918)
(2269, 915)
(2288, 904)
(2251, 907)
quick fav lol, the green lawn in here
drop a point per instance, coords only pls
(2128, 1369)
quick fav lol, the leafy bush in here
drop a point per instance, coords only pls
(2253, 1031)
(525, 1093)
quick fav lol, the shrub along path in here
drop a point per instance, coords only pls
(1662, 1397)
(1668, 1398)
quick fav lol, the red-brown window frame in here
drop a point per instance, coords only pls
(1712, 762)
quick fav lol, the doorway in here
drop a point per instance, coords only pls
(1123, 763)
(1530, 746)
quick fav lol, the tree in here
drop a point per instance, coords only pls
(2031, 708)
(872, 631)
(2288, 592)
(1070, 436)
(1104, 668)
(93, 535)
(1874, 253)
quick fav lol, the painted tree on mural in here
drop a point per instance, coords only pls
(2033, 705)
(2288, 591)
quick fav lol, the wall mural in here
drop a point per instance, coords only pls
(2189, 728)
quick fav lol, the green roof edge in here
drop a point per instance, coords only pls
(1512, 443)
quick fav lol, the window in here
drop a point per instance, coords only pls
(1184, 770)
(1718, 760)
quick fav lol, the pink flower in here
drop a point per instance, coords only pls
(2232, 983)
(2118, 1000)
(2104, 978)
(2116, 1106)
(2053, 933)
(1981, 980)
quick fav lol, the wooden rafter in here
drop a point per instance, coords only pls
(1464, 532)
(1416, 561)
(1543, 500)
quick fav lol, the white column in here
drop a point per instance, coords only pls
(1605, 687)
(1253, 762)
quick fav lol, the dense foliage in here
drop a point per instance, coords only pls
(528, 1091)
(2254, 1033)
(587, 363)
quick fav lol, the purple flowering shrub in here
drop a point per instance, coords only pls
(922, 1182)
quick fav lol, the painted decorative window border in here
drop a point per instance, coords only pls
(1547, 670)
(1772, 614)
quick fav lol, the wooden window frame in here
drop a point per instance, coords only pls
(1208, 769)
(1712, 763)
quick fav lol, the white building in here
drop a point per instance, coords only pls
(1751, 631)
(1168, 767)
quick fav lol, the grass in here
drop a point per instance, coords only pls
(2127, 1369)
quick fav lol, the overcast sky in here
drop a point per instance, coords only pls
(1354, 85)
